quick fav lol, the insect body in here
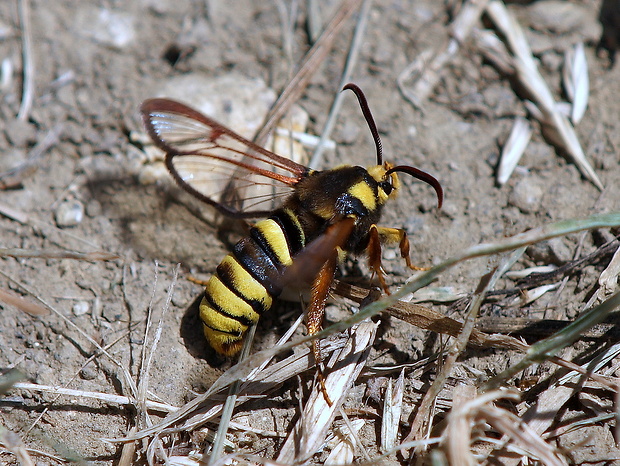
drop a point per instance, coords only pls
(325, 215)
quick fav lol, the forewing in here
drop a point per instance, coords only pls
(307, 263)
(217, 165)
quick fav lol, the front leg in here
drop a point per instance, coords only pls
(378, 235)
(398, 235)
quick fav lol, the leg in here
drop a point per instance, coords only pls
(397, 235)
(374, 256)
(316, 312)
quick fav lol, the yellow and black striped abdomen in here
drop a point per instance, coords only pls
(248, 279)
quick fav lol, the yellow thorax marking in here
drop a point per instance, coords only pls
(365, 194)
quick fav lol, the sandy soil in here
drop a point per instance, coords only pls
(95, 62)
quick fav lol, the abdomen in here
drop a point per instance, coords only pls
(248, 280)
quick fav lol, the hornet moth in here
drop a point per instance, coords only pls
(320, 216)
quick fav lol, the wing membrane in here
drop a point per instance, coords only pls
(217, 165)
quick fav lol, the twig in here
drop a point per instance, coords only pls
(59, 254)
(29, 69)
(311, 63)
(106, 397)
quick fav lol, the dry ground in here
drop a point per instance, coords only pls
(93, 63)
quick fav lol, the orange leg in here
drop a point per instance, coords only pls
(374, 256)
(380, 235)
(316, 312)
(397, 235)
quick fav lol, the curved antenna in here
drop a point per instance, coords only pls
(423, 176)
(369, 119)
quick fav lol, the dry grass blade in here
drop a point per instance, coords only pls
(513, 149)
(317, 417)
(459, 433)
(522, 434)
(558, 128)
(310, 65)
(529, 296)
(425, 318)
(106, 397)
(437, 294)
(354, 49)
(343, 444)
(23, 304)
(51, 254)
(551, 400)
(608, 280)
(549, 347)
(518, 274)
(14, 444)
(392, 409)
(576, 81)
(487, 282)
(28, 64)
(418, 79)
(593, 365)
(149, 351)
(207, 406)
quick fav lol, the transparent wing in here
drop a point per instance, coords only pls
(217, 165)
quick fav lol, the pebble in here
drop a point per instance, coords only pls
(105, 26)
(93, 208)
(20, 133)
(69, 214)
(88, 373)
(526, 196)
(556, 24)
(553, 251)
(153, 173)
(80, 308)
(556, 16)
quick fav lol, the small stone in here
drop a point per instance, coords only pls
(105, 26)
(526, 195)
(93, 209)
(80, 308)
(153, 173)
(69, 214)
(20, 133)
(557, 16)
(553, 251)
(88, 373)
(552, 60)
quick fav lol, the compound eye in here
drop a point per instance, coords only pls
(386, 186)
